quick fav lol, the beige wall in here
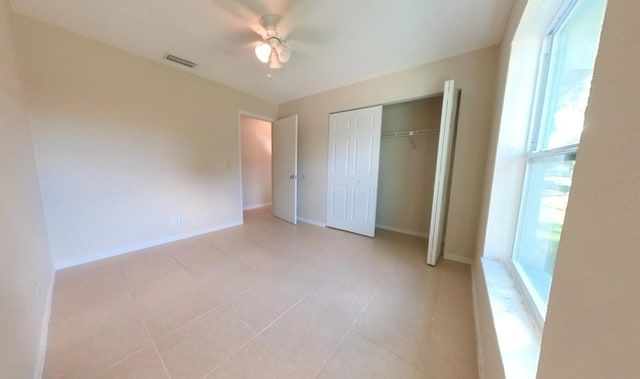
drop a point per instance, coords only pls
(126, 144)
(256, 162)
(474, 73)
(407, 171)
(593, 321)
(25, 268)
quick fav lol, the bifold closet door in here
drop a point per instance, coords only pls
(443, 168)
(353, 163)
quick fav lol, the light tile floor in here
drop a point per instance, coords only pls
(265, 300)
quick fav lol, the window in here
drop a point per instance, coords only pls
(564, 83)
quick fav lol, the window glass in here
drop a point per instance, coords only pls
(541, 219)
(573, 54)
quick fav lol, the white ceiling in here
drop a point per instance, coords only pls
(335, 42)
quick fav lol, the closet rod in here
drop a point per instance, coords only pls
(410, 133)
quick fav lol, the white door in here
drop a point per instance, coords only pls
(284, 173)
(443, 164)
(354, 158)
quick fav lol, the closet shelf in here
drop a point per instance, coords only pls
(410, 133)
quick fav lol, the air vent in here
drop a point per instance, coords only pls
(179, 60)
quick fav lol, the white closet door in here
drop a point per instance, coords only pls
(443, 164)
(284, 172)
(354, 159)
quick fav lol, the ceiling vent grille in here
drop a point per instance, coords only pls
(179, 60)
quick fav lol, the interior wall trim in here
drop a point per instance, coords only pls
(312, 222)
(458, 258)
(256, 206)
(403, 231)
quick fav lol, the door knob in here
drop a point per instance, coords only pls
(293, 176)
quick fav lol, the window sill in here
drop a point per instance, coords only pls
(516, 330)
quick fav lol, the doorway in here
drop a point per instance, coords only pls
(408, 155)
(255, 137)
(269, 166)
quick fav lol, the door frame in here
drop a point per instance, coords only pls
(256, 116)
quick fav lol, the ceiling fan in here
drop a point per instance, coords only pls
(272, 48)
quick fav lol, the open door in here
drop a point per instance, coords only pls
(443, 165)
(354, 159)
(284, 142)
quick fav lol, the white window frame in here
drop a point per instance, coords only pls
(535, 303)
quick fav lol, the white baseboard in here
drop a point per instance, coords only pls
(256, 206)
(140, 246)
(312, 222)
(44, 329)
(403, 231)
(458, 258)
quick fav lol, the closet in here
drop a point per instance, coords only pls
(389, 167)
(408, 154)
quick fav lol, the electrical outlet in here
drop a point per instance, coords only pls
(173, 221)
(180, 220)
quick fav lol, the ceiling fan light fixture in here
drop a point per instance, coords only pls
(263, 52)
(272, 49)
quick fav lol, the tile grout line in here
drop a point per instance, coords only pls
(386, 279)
(183, 267)
(214, 308)
(224, 303)
(199, 280)
(269, 248)
(392, 352)
(90, 326)
(129, 285)
(428, 339)
(137, 311)
(120, 361)
(125, 290)
(267, 277)
(262, 331)
(153, 343)
(435, 311)
(353, 323)
(217, 307)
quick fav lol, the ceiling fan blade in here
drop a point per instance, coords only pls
(237, 15)
(242, 36)
(307, 38)
(249, 10)
(241, 23)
